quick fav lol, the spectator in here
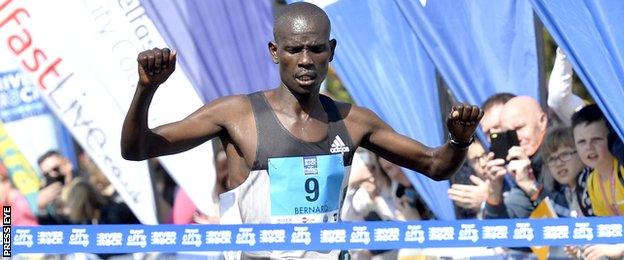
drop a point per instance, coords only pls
(469, 190)
(471, 196)
(524, 115)
(560, 97)
(56, 168)
(565, 98)
(85, 205)
(565, 166)
(10, 196)
(492, 107)
(606, 184)
(410, 205)
(379, 190)
(476, 154)
(357, 201)
(57, 171)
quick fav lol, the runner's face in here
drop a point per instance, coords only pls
(303, 51)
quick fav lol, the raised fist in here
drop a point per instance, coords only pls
(155, 66)
(463, 121)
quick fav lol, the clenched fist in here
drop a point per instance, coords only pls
(463, 121)
(155, 66)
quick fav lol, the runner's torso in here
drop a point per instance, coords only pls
(241, 137)
(291, 180)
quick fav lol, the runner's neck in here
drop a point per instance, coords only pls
(299, 106)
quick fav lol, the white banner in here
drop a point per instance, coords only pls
(122, 29)
(82, 54)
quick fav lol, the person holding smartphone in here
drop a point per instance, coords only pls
(523, 117)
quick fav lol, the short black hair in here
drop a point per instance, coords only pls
(497, 99)
(47, 155)
(587, 115)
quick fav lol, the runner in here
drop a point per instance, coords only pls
(289, 149)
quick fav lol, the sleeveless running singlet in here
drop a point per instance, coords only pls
(292, 181)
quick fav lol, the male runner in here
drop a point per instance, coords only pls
(289, 149)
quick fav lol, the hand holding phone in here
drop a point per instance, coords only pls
(502, 142)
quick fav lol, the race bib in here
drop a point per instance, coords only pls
(306, 189)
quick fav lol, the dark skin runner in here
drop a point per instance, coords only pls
(303, 50)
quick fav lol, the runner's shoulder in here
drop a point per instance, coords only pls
(228, 106)
(356, 115)
(343, 107)
(361, 115)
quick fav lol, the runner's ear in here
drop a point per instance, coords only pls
(332, 44)
(273, 51)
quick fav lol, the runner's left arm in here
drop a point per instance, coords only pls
(437, 163)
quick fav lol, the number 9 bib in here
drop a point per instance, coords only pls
(306, 189)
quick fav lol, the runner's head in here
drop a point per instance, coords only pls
(301, 46)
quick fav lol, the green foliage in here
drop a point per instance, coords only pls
(336, 89)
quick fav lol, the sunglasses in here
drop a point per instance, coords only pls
(56, 169)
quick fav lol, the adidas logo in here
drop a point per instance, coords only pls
(338, 146)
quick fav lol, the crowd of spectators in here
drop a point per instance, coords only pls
(567, 157)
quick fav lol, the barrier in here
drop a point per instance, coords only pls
(345, 235)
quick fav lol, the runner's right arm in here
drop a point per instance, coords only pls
(138, 142)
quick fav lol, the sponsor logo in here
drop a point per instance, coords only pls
(310, 166)
(338, 146)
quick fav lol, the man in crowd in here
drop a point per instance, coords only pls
(56, 168)
(473, 196)
(523, 115)
(57, 171)
(492, 107)
(289, 149)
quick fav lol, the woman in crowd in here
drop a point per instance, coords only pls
(85, 205)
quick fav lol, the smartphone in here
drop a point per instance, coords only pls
(501, 142)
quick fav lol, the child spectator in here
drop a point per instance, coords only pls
(606, 181)
(605, 184)
(564, 165)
